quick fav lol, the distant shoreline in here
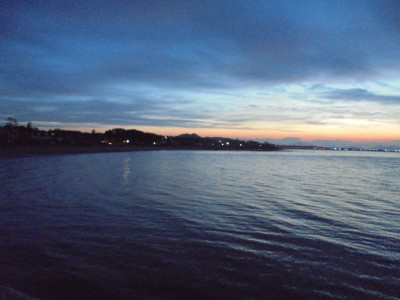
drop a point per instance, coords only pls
(29, 151)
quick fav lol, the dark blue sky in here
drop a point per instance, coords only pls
(244, 68)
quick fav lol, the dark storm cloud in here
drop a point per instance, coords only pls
(64, 50)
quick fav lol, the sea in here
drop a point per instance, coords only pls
(299, 224)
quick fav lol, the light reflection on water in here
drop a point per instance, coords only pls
(127, 168)
(202, 224)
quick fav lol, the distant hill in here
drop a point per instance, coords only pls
(13, 134)
(187, 135)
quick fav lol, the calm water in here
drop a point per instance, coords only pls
(198, 224)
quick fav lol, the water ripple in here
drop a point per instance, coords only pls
(187, 224)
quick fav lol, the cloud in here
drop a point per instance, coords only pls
(358, 94)
(183, 63)
(139, 112)
(187, 44)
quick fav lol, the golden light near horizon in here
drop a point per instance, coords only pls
(296, 75)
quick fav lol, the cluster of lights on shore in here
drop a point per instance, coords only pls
(227, 144)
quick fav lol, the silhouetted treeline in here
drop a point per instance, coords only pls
(13, 134)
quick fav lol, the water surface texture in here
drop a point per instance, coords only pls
(202, 224)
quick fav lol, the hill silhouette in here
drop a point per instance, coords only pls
(14, 135)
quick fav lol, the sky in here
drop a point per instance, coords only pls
(246, 69)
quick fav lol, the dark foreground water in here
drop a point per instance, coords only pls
(197, 224)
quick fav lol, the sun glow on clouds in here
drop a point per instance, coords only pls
(248, 69)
